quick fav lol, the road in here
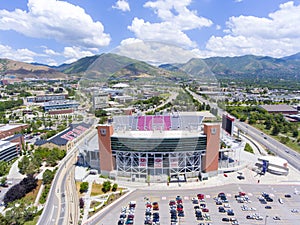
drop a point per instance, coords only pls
(56, 208)
(273, 145)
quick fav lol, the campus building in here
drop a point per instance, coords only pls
(46, 98)
(66, 139)
(60, 105)
(7, 130)
(9, 150)
(158, 147)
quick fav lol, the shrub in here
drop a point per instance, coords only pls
(81, 203)
(114, 187)
(84, 186)
(106, 186)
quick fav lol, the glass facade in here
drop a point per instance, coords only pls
(157, 158)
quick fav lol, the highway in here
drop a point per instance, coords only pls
(272, 144)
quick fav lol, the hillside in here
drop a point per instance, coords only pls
(23, 70)
(249, 68)
(114, 67)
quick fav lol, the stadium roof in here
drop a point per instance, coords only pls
(157, 134)
(120, 85)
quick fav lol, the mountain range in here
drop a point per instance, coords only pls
(21, 70)
(113, 67)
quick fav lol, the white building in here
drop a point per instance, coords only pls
(8, 150)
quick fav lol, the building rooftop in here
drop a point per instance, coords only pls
(6, 127)
(279, 108)
(161, 134)
(6, 144)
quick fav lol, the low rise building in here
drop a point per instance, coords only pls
(7, 130)
(61, 104)
(282, 108)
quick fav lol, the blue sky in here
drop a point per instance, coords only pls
(158, 31)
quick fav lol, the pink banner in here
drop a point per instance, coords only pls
(158, 163)
(173, 162)
(143, 162)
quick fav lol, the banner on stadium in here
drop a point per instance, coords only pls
(143, 162)
(158, 162)
(173, 162)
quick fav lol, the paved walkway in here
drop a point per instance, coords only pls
(14, 171)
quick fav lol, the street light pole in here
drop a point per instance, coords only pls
(266, 219)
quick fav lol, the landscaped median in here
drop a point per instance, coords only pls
(100, 196)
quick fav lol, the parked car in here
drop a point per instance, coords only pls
(222, 209)
(240, 177)
(276, 218)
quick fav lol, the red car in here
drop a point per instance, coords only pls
(205, 210)
(242, 193)
(172, 202)
(200, 196)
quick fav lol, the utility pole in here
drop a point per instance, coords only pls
(266, 219)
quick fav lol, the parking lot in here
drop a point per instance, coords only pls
(282, 208)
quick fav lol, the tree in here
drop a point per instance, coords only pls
(48, 176)
(81, 203)
(295, 133)
(114, 187)
(106, 186)
(4, 168)
(84, 186)
(276, 130)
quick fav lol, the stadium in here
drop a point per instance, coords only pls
(158, 147)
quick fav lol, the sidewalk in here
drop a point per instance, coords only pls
(14, 173)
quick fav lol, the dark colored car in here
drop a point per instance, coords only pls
(120, 222)
(225, 219)
(181, 214)
(240, 177)
(222, 209)
(268, 207)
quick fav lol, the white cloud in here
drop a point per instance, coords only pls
(154, 52)
(176, 19)
(50, 52)
(74, 53)
(122, 5)
(276, 35)
(23, 54)
(57, 20)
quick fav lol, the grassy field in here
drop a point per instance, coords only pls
(97, 190)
